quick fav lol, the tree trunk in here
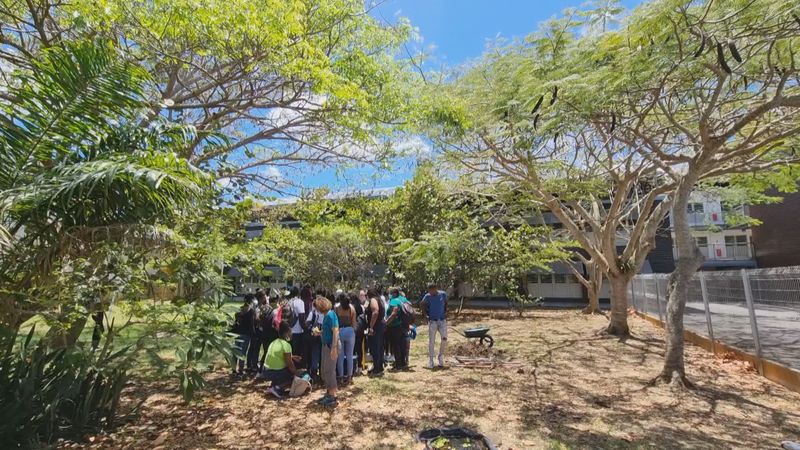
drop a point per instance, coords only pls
(689, 260)
(66, 335)
(618, 324)
(593, 292)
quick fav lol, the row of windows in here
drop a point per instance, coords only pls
(739, 239)
(549, 278)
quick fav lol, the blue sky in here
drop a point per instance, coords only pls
(455, 31)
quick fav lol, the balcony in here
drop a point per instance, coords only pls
(704, 219)
(725, 256)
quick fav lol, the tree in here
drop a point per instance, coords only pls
(539, 130)
(291, 83)
(714, 94)
(74, 174)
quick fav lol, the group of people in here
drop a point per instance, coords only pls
(302, 335)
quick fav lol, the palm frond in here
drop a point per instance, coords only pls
(73, 96)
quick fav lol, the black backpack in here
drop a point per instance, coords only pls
(407, 314)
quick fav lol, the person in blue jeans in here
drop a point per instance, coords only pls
(346, 313)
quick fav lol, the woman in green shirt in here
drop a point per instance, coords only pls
(280, 367)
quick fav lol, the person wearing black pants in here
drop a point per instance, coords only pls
(375, 318)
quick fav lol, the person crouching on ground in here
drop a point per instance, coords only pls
(330, 347)
(280, 368)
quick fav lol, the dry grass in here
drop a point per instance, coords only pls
(578, 390)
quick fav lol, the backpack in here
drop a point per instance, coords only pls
(300, 385)
(288, 315)
(408, 316)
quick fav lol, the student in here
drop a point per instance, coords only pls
(266, 320)
(313, 341)
(280, 368)
(256, 340)
(244, 327)
(346, 313)
(299, 310)
(434, 304)
(375, 319)
(330, 347)
(357, 301)
(396, 330)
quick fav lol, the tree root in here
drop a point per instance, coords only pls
(593, 311)
(676, 380)
(621, 332)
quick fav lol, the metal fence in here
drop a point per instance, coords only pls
(756, 310)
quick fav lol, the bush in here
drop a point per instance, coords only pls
(50, 393)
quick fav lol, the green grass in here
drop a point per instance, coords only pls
(129, 334)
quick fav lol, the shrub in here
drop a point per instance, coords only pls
(49, 393)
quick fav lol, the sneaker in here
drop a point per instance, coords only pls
(376, 374)
(328, 401)
(441, 361)
(275, 390)
(430, 365)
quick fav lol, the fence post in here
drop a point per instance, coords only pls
(658, 299)
(704, 293)
(748, 296)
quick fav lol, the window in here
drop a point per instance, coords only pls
(533, 278)
(739, 239)
(695, 208)
(560, 278)
(701, 241)
(546, 278)
(572, 279)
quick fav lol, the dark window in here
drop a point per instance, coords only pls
(695, 208)
(740, 239)
(560, 278)
(546, 278)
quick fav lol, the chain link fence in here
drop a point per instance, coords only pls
(756, 310)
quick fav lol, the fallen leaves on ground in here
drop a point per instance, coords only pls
(583, 390)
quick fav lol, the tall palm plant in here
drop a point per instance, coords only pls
(72, 159)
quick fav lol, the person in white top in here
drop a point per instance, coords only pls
(298, 310)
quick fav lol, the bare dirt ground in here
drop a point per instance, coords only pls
(577, 390)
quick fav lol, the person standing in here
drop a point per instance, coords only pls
(298, 310)
(346, 313)
(330, 347)
(313, 341)
(434, 304)
(358, 301)
(396, 329)
(244, 328)
(375, 319)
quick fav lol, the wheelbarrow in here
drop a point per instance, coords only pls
(481, 334)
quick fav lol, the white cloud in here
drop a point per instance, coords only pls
(413, 146)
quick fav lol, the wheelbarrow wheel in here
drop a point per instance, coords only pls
(487, 341)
